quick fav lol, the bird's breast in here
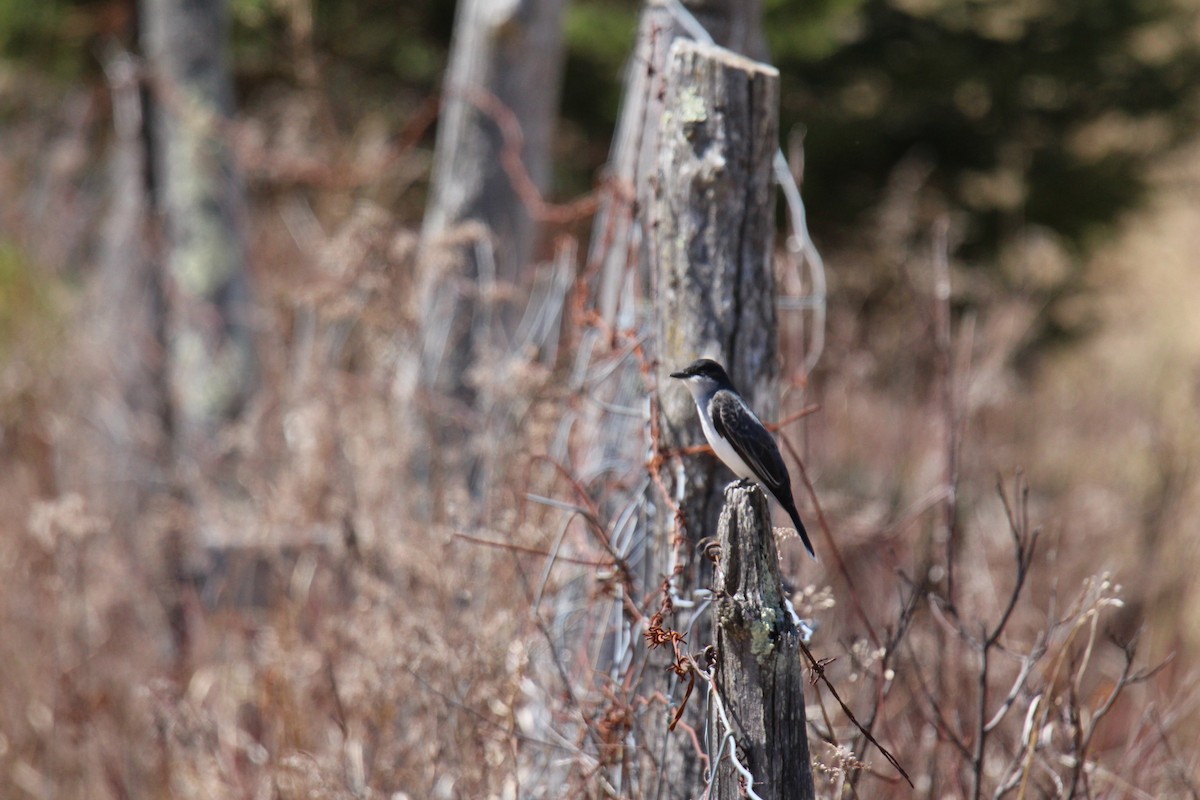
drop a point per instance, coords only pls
(724, 450)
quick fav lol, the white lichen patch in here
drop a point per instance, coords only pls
(762, 640)
(692, 109)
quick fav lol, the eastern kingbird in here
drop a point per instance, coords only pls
(738, 436)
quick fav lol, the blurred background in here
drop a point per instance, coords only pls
(233, 563)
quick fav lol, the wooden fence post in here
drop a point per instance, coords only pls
(712, 222)
(619, 235)
(493, 153)
(622, 234)
(756, 714)
(210, 358)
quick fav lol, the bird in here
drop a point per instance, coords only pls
(738, 436)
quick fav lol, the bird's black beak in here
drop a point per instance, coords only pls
(680, 375)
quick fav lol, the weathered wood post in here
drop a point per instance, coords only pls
(710, 253)
(493, 148)
(757, 714)
(128, 317)
(505, 67)
(204, 281)
(620, 228)
(210, 357)
(622, 233)
(714, 220)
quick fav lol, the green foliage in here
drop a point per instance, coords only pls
(405, 40)
(599, 35)
(373, 46)
(51, 35)
(1007, 100)
(810, 31)
(1021, 115)
(23, 300)
(1033, 112)
(600, 31)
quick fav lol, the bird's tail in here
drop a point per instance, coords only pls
(795, 515)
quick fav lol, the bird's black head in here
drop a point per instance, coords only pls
(704, 369)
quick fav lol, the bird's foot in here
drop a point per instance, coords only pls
(711, 547)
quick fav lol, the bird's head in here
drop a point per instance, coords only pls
(705, 375)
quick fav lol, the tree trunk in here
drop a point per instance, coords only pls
(758, 672)
(198, 196)
(491, 164)
(713, 215)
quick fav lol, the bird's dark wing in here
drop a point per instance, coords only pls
(746, 434)
(752, 441)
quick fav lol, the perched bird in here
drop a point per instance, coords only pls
(738, 436)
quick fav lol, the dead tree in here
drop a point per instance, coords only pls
(756, 717)
(713, 220)
(199, 199)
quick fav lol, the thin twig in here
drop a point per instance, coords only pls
(945, 389)
(533, 551)
(818, 670)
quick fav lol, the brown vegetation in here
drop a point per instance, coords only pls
(399, 648)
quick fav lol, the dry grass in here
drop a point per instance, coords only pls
(402, 648)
